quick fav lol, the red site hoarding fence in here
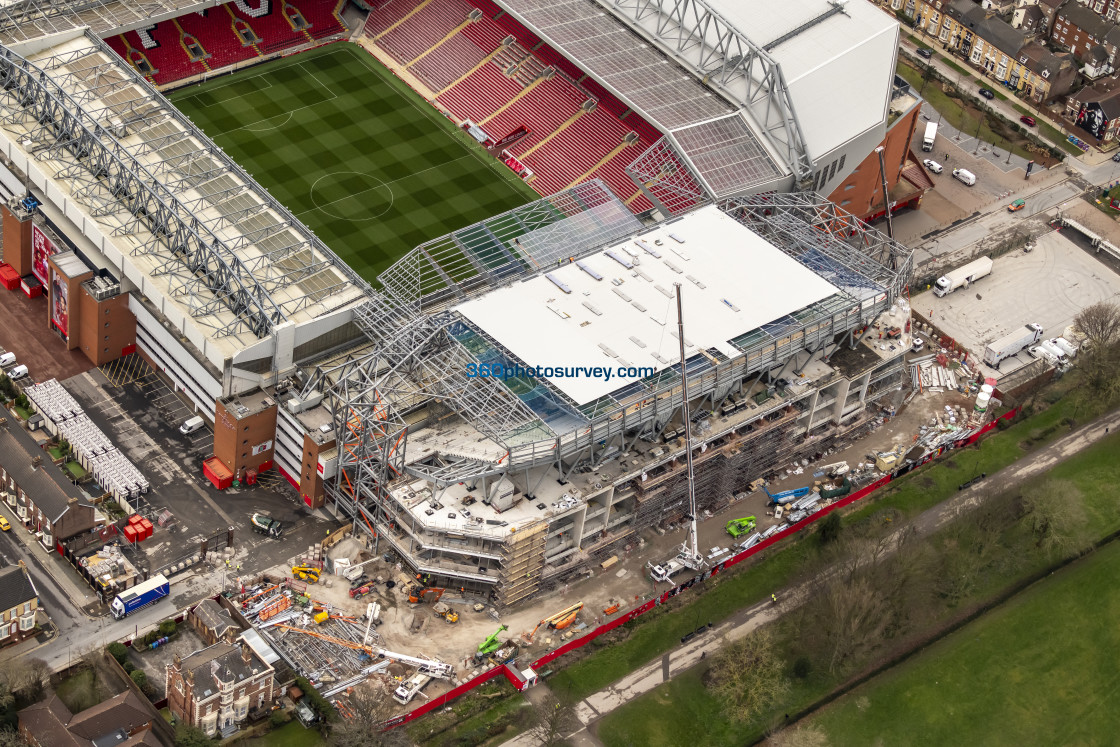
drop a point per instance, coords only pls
(665, 596)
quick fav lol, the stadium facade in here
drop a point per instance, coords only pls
(364, 399)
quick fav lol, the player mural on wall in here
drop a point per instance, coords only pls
(60, 303)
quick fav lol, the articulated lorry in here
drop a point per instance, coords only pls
(149, 592)
(1009, 345)
(931, 133)
(962, 277)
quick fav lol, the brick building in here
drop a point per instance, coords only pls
(215, 688)
(19, 600)
(45, 502)
(861, 193)
(121, 721)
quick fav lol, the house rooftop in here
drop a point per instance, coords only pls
(52, 493)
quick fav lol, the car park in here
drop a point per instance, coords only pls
(933, 166)
(1016, 206)
(925, 52)
(987, 94)
(1027, 120)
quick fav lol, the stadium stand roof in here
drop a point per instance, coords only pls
(201, 239)
(21, 20)
(750, 92)
(837, 60)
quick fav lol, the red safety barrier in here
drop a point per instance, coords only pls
(665, 596)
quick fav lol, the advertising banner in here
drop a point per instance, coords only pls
(60, 303)
(41, 249)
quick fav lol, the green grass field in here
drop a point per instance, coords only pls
(355, 154)
(1036, 671)
(1016, 669)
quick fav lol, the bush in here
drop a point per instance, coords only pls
(118, 651)
(802, 667)
(167, 628)
(829, 528)
(140, 679)
(128, 667)
(278, 718)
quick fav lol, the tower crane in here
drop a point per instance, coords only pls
(688, 554)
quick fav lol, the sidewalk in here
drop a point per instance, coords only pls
(661, 670)
(80, 594)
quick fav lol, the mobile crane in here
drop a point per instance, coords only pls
(425, 666)
(688, 554)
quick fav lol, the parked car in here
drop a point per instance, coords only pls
(4, 525)
(933, 166)
(1027, 120)
(1016, 206)
(925, 52)
(987, 94)
(1116, 158)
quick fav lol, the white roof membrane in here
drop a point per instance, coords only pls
(733, 281)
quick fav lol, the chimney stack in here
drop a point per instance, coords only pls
(36, 461)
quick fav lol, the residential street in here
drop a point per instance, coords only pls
(644, 679)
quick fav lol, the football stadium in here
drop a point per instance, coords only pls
(317, 218)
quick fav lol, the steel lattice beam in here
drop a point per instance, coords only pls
(703, 41)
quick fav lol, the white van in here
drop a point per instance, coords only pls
(7, 359)
(192, 425)
(17, 373)
(965, 176)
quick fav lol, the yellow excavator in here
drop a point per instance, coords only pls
(562, 619)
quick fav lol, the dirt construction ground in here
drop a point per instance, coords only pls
(419, 632)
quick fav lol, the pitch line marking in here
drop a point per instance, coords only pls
(311, 193)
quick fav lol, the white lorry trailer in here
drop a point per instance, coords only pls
(931, 133)
(962, 277)
(1010, 344)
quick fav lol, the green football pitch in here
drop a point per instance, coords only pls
(354, 153)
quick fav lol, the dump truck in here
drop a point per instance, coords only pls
(444, 610)
(1010, 344)
(265, 524)
(962, 277)
(738, 527)
(148, 592)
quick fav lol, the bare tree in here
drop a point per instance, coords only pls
(364, 711)
(748, 676)
(552, 721)
(1100, 323)
(1054, 510)
(1100, 357)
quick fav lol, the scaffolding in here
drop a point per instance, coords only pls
(412, 378)
(522, 565)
